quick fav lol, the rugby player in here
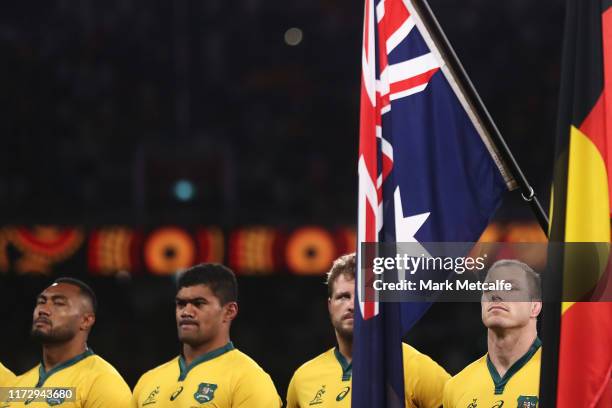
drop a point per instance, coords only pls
(210, 370)
(325, 381)
(509, 374)
(63, 317)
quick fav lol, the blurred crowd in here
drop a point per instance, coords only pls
(108, 104)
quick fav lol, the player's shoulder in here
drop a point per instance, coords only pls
(99, 365)
(6, 375)
(242, 362)
(29, 378)
(248, 376)
(169, 366)
(101, 373)
(314, 365)
(472, 370)
(413, 357)
(410, 353)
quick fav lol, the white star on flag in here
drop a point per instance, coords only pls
(406, 227)
(405, 230)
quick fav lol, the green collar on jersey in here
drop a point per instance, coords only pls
(184, 368)
(500, 382)
(347, 368)
(43, 375)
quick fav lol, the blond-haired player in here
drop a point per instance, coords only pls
(325, 381)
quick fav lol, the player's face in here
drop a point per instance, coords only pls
(199, 315)
(509, 309)
(341, 305)
(59, 314)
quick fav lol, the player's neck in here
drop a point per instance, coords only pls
(190, 353)
(56, 354)
(345, 347)
(507, 346)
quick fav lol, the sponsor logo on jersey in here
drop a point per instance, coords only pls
(176, 393)
(343, 393)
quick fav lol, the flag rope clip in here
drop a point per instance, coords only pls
(531, 194)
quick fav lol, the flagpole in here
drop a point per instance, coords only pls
(476, 103)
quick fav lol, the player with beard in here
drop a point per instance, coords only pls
(325, 381)
(63, 317)
(509, 374)
(209, 370)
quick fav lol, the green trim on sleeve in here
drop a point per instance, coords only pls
(347, 368)
(500, 382)
(184, 368)
(43, 375)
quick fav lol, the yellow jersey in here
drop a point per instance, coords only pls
(479, 384)
(6, 376)
(222, 378)
(325, 381)
(96, 384)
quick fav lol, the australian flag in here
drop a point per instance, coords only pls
(428, 172)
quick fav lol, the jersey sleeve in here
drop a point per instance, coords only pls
(292, 399)
(256, 390)
(425, 380)
(108, 390)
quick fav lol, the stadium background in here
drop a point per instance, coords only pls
(127, 117)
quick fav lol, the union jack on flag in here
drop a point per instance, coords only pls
(428, 172)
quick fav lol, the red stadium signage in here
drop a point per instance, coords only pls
(164, 250)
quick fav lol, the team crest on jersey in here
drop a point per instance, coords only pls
(472, 404)
(152, 398)
(54, 401)
(205, 392)
(318, 398)
(527, 401)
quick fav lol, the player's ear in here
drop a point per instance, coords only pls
(536, 308)
(87, 321)
(231, 311)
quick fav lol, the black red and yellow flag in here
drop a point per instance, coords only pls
(577, 363)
